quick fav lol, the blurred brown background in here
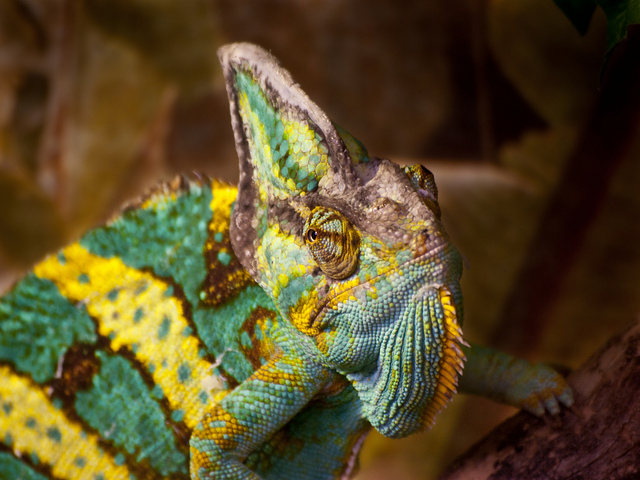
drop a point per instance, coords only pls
(99, 99)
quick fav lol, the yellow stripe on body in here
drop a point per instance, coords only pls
(136, 310)
(36, 426)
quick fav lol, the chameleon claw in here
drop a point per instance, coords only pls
(536, 388)
(541, 405)
(550, 392)
(551, 405)
(536, 408)
(566, 397)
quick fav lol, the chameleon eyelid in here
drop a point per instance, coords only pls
(339, 252)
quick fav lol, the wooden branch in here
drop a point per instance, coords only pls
(599, 438)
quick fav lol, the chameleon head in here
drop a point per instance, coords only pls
(351, 248)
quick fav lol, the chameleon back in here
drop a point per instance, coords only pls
(111, 349)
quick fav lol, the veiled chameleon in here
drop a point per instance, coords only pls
(249, 333)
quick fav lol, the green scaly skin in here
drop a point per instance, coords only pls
(193, 337)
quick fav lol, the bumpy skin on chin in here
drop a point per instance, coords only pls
(252, 333)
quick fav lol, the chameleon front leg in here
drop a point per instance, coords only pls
(535, 388)
(239, 423)
(321, 442)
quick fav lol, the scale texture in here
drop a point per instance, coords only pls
(258, 332)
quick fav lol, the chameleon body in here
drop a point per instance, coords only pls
(258, 332)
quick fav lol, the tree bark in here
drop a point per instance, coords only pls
(598, 438)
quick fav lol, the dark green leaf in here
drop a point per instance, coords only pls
(620, 14)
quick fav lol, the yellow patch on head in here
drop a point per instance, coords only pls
(341, 292)
(300, 314)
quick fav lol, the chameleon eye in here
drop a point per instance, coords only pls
(423, 182)
(312, 235)
(333, 242)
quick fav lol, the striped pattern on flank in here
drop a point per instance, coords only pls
(136, 310)
(39, 429)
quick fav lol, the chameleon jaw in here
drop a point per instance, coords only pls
(417, 373)
(404, 360)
